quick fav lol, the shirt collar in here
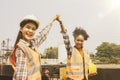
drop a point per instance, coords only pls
(24, 42)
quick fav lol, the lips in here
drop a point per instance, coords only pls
(29, 34)
(79, 45)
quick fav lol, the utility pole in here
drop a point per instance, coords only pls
(8, 44)
(3, 46)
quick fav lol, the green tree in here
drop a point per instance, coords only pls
(51, 53)
(108, 53)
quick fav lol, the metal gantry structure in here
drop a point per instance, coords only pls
(4, 48)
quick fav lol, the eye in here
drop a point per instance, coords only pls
(28, 27)
(80, 40)
(34, 29)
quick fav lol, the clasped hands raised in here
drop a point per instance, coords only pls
(57, 17)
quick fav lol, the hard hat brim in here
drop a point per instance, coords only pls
(25, 21)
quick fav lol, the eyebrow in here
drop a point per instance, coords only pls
(31, 27)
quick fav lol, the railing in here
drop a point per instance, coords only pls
(6, 72)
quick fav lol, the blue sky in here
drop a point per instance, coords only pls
(100, 18)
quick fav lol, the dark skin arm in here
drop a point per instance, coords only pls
(61, 24)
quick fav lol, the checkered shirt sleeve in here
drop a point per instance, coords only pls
(67, 44)
(42, 35)
(21, 66)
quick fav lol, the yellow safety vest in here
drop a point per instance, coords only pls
(74, 67)
(33, 62)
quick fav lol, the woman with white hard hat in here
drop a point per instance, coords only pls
(25, 57)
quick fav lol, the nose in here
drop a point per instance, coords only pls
(80, 42)
(31, 30)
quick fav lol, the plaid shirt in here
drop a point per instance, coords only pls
(67, 44)
(21, 66)
(42, 35)
(21, 59)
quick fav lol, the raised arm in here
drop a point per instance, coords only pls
(43, 34)
(65, 37)
(63, 30)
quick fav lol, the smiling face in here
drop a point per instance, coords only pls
(79, 41)
(28, 31)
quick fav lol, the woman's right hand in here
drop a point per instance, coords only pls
(54, 18)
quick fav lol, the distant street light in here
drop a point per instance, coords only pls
(8, 44)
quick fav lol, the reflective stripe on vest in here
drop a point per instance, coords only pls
(34, 70)
(76, 73)
(75, 65)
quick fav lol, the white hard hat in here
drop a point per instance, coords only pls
(30, 18)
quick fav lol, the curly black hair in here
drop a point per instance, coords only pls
(80, 31)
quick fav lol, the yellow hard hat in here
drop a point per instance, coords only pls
(92, 68)
(30, 18)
